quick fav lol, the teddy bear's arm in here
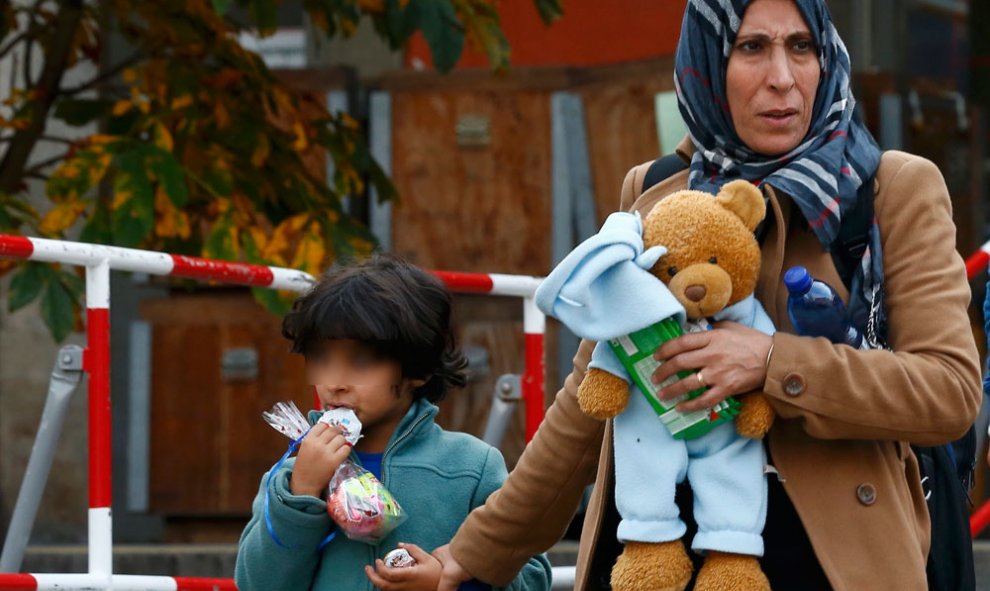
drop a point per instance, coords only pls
(604, 392)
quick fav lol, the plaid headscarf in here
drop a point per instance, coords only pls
(824, 172)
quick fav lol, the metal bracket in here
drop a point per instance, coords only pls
(508, 391)
(70, 358)
(509, 387)
(66, 376)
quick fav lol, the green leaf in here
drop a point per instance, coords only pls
(265, 15)
(443, 32)
(57, 309)
(221, 6)
(400, 23)
(133, 219)
(26, 285)
(97, 229)
(171, 176)
(550, 10)
(220, 243)
(78, 112)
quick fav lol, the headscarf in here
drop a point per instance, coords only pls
(825, 171)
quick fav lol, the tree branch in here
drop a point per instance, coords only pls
(45, 92)
(103, 76)
(45, 164)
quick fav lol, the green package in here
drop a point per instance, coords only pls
(635, 352)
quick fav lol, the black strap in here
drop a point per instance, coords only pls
(854, 235)
(662, 168)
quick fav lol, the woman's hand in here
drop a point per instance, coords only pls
(422, 576)
(453, 573)
(320, 454)
(730, 359)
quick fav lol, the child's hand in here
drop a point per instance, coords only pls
(423, 576)
(320, 454)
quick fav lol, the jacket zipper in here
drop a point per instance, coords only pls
(373, 550)
(405, 435)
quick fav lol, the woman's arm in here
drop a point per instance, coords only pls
(533, 508)
(926, 391)
(300, 523)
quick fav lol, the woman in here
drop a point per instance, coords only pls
(765, 95)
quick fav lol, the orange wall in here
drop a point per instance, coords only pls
(591, 32)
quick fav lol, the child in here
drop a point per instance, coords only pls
(376, 338)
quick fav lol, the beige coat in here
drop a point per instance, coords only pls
(840, 442)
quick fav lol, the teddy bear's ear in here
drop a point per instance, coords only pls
(745, 200)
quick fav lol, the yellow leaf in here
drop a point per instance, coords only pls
(284, 235)
(61, 217)
(310, 253)
(348, 121)
(300, 143)
(282, 100)
(169, 221)
(181, 102)
(122, 106)
(69, 169)
(129, 75)
(120, 198)
(163, 139)
(261, 151)
(221, 115)
(259, 237)
(101, 139)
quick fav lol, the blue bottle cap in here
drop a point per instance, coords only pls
(797, 279)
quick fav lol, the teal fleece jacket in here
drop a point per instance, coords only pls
(437, 477)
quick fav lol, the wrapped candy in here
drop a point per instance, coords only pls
(399, 558)
(357, 501)
(345, 421)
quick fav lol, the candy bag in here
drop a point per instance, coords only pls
(357, 501)
(361, 505)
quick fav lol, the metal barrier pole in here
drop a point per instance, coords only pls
(508, 392)
(65, 378)
(96, 362)
(534, 325)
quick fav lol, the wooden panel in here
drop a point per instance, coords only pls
(481, 209)
(209, 444)
(493, 324)
(622, 130)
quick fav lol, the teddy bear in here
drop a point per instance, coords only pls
(694, 258)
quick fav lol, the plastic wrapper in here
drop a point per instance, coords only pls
(361, 505)
(357, 501)
(399, 558)
(345, 421)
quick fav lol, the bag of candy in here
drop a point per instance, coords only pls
(357, 501)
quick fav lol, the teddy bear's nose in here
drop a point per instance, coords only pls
(695, 293)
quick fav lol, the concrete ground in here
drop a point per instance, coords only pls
(217, 560)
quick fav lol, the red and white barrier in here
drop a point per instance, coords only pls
(36, 582)
(99, 261)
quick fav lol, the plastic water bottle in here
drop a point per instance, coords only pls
(816, 310)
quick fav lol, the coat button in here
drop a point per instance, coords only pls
(793, 384)
(866, 493)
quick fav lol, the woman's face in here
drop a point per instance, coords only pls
(772, 77)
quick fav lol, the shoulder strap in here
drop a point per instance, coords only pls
(662, 168)
(854, 235)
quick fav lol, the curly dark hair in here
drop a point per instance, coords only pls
(399, 310)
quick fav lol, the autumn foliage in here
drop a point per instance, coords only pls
(201, 149)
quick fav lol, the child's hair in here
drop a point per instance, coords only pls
(398, 309)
